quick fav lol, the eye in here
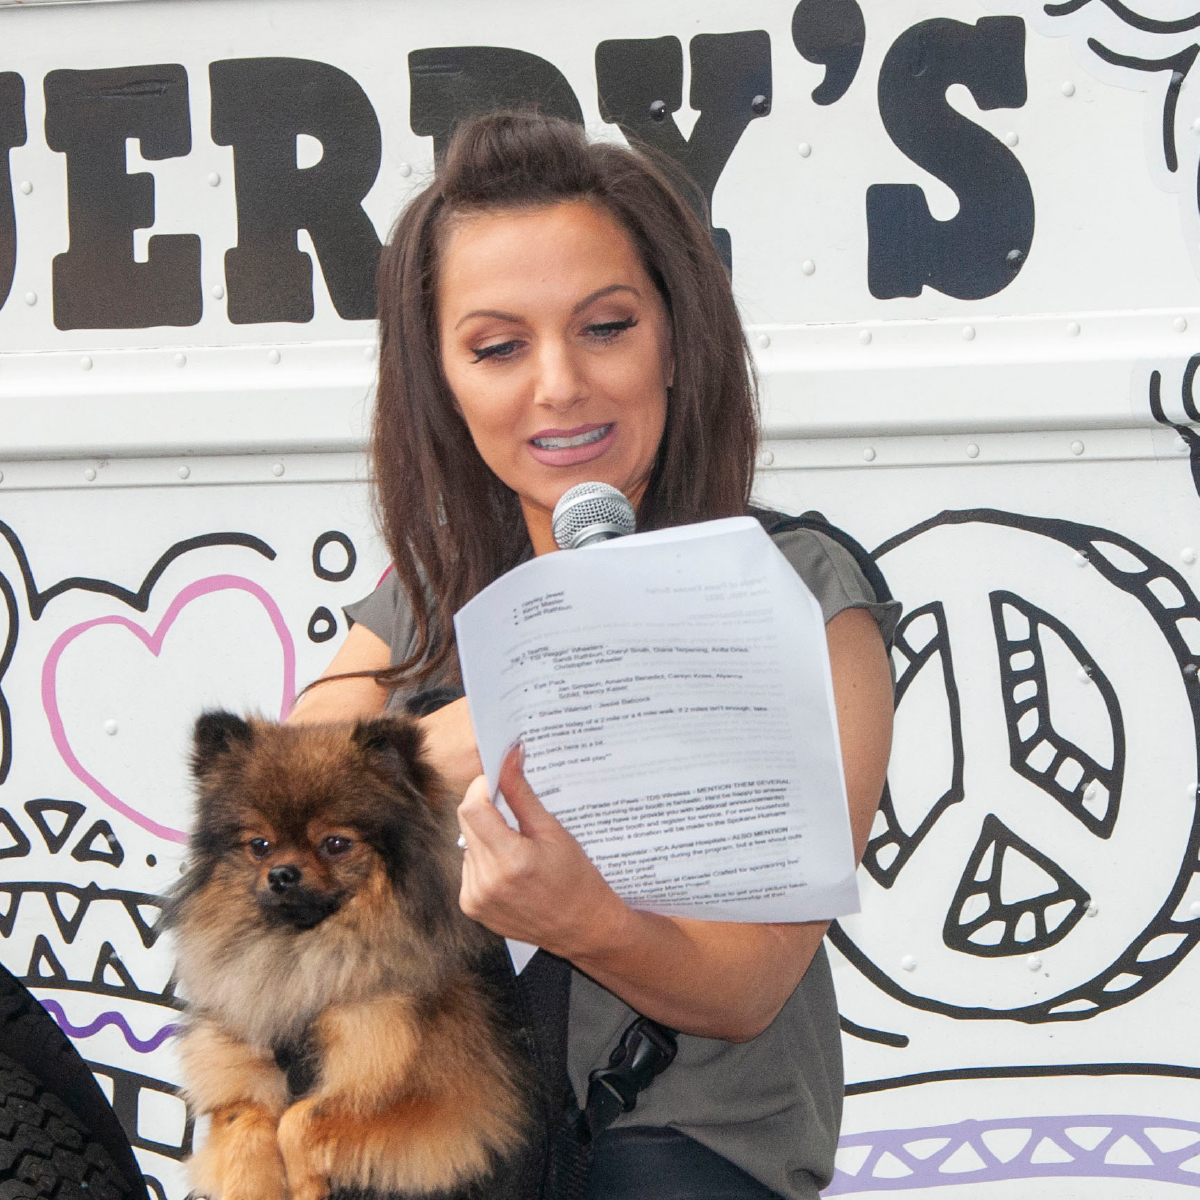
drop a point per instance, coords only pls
(607, 331)
(496, 350)
(335, 844)
(259, 847)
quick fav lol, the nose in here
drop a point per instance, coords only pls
(561, 383)
(279, 879)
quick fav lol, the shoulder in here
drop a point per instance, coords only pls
(835, 576)
(386, 613)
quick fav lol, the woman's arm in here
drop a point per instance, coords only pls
(348, 699)
(449, 738)
(714, 978)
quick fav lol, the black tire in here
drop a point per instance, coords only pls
(47, 1094)
(46, 1152)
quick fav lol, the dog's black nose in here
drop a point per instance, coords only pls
(279, 879)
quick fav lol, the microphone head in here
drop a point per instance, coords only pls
(591, 512)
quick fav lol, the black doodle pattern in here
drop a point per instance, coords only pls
(1094, 796)
(70, 810)
(79, 901)
(1146, 960)
(889, 850)
(991, 928)
(6, 654)
(322, 625)
(334, 575)
(20, 844)
(127, 1087)
(108, 851)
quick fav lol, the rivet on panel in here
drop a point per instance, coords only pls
(1191, 792)
(805, 149)
(1196, 125)
(968, 332)
(658, 110)
(1189, 670)
(972, 450)
(865, 336)
(181, 359)
(26, 187)
(1077, 448)
(868, 454)
(277, 470)
(1194, 909)
(1179, 325)
(1011, 138)
(369, 352)
(807, 267)
(1093, 909)
(31, 298)
(1014, 258)
(86, 362)
(184, 471)
(1033, 962)
(1072, 329)
(214, 180)
(766, 458)
(1068, 88)
(1081, 560)
(1, 476)
(760, 106)
(273, 357)
(110, 727)
(908, 963)
(218, 292)
(89, 473)
(1083, 675)
(1181, 445)
(764, 340)
(1188, 555)
(405, 170)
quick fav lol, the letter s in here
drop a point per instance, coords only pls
(979, 251)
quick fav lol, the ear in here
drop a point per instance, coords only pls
(215, 735)
(395, 744)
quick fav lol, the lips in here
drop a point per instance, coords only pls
(569, 447)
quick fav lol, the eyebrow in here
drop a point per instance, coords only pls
(596, 295)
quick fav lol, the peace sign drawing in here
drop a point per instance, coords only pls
(1035, 854)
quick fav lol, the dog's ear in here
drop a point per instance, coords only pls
(216, 734)
(394, 743)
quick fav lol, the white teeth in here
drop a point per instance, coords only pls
(566, 443)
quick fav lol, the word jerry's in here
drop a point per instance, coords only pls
(261, 105)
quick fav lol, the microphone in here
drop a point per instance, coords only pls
(591, 512)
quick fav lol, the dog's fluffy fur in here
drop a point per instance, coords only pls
(338, 1033)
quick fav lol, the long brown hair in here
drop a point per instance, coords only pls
(452, 527)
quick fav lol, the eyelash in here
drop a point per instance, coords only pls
(606, 329)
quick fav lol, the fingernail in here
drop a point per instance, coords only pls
(521, 755)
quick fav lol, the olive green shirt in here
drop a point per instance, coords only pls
(772, 1105)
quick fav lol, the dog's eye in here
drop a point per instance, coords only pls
(335, 845)
(259, 847)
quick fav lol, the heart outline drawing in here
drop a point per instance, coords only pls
(153, 642)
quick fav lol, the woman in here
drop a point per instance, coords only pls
(552, 312)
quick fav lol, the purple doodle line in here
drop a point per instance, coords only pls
(108, 1018)
(1161, 1165)
(153, 642)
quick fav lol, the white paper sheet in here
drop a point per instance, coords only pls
(674, 696)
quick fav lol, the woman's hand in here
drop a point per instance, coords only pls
(534, 883)
(450, 745)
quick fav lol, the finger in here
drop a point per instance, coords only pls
(483, 827)
(531, 814)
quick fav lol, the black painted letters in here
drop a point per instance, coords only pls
(259, 106)
(12, 133)
(980, 250)
(97, 283)
(640, 84)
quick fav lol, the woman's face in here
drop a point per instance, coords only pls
(556, 345)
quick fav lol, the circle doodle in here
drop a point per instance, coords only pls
(1041, 773)
(322, 625)
(332, 574)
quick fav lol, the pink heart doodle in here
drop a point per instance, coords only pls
(153, 642)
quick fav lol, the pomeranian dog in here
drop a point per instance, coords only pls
(339, 1032)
